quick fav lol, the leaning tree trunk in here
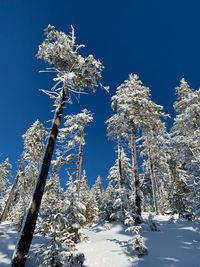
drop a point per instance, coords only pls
(154, 184)
(12, 192)
(79, 163)
(28, 227)
(135, 173)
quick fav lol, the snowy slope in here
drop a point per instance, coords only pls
(7, 245)
(175, 245)
(107, 246)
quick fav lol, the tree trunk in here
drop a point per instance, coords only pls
(154, 184)
(79, 162)
(12, 192)
(121, 180)
(135, 173)
(28, 227)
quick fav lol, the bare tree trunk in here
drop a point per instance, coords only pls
(79, 162)
(28, 227)
(135, 173)
(154, 184)
(12, 192)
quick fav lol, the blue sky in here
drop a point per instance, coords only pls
(158, 40)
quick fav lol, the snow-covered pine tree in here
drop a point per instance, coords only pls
(12, 191)
(146, 187)
(32, 156)
(137, 241)
(5, 168)
(121, 196)
(178, 187)
(52, 221)
(156, 166)
(127, 181)
(74, 73)
(98, 193)
(72, 138)
(53, 203)
(107, 204)
(75, 212)
(114, 183)
(132, 102)
(24, 191)
(34, 142)
(86, 197)
(185, 140)
(117, 131)
(57, 254)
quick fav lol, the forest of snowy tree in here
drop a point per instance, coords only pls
(157, 166)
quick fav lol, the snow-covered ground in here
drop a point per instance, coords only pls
(175, 245)
(8, 238)
(107, 246)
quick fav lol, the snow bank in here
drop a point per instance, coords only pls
(175, 245)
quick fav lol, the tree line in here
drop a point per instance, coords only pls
(155, 169)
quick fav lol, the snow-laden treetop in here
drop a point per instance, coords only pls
(34, 141)
(78, 121)
(73, 70)
(132, 100)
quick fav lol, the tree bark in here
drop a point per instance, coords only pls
(121, 180)
(79, 162)
(28, 227)
(12, 192)
(135, 172)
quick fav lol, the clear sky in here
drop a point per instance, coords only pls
(158, 40)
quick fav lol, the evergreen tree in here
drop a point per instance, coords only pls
(178, 187)
(75, 212)
(33, 152)
(156, 166)
(120, 193)
(117, 131)
(87, 198)
(72, 138)
(146, 186)
(53, 204)
(74, 73)
(132, 102)
(107, 204)
(98, 192)
(185, 145)
(5, 168)
(11, 193)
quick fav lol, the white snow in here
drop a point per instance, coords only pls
(175, 245)
(8, 239)
(107, 246)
